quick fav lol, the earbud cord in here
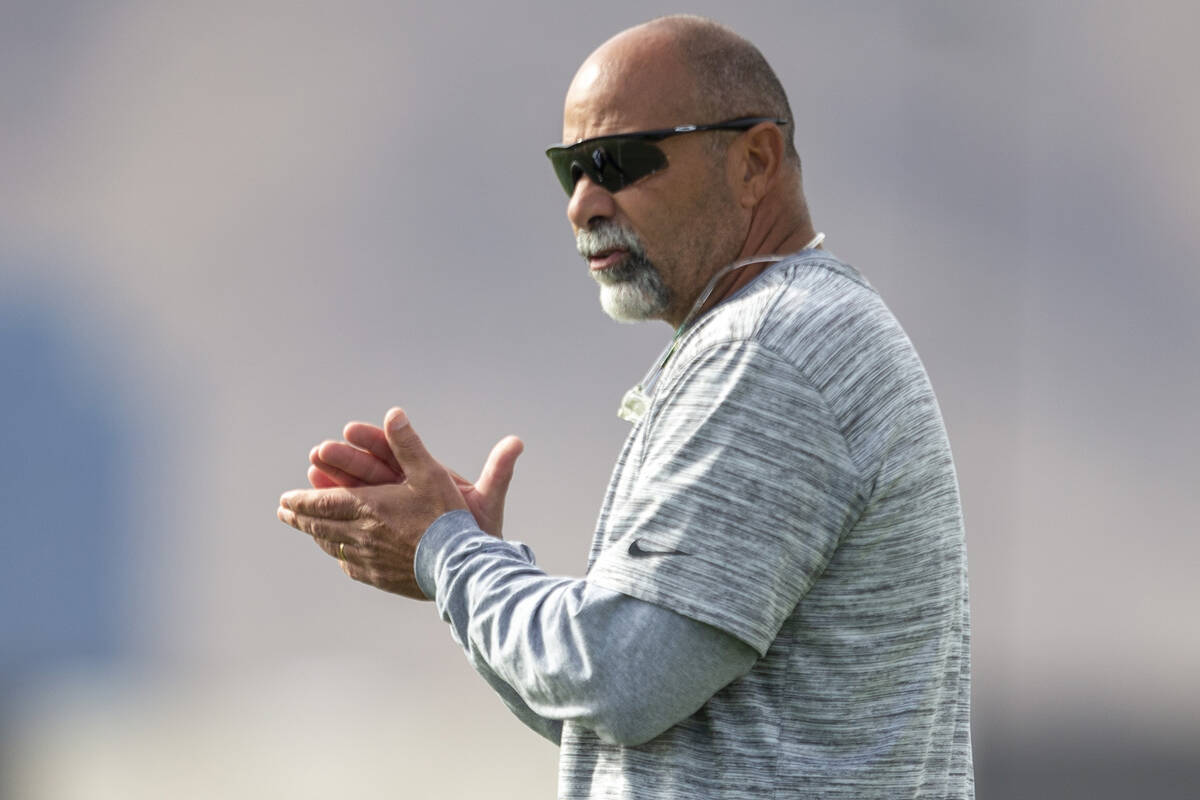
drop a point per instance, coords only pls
(636, 396)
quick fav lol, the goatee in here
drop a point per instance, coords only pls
(632, 290)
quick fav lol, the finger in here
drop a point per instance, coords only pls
(321, 529)
(340, 477)
(344, 554)
(334, 476)
(319, 479)
(408, 448)
(348, 559)
(337, 503)
(342, 550)
(372, 439)
(350, 460)
(498, 469)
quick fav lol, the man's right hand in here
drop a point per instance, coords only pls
(365, 459)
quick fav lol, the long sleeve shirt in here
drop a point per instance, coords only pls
(558, 649)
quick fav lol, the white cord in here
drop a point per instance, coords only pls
(636, 401)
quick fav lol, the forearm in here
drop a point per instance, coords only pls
(572, 651)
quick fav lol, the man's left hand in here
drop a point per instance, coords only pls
(374, 530)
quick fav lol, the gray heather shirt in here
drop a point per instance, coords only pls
(791, 487)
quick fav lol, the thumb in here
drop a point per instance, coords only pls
(498, 469)
(406, 446)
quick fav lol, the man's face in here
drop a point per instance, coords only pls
(653, 244)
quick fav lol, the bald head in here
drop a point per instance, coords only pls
(692, 69)
(635, 79)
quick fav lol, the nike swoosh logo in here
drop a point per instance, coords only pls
(635, 550)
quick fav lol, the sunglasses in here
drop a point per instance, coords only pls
(614, 162)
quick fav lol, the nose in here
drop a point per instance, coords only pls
(589, 204)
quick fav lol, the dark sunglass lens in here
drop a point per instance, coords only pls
(607, 170)
(635, 159)
(612, 163)
(566, 169)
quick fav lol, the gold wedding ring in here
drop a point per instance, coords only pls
(342, 552)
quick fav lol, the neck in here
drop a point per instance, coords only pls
(761, 240)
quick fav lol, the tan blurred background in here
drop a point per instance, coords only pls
(226, 228)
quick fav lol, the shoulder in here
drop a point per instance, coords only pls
(816, 329)
(794, 310)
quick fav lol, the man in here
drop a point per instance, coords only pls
(775, 604)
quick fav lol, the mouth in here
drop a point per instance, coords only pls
(606, 259)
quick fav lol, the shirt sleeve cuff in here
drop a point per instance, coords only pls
(442, 536)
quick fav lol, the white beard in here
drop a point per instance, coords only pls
(634, 297)
(633, 290)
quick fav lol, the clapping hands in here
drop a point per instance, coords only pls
(376, 493)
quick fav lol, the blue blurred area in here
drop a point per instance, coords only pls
(60, 487)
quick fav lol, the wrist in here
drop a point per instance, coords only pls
(441, 535)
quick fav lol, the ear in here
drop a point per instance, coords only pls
(756, 159)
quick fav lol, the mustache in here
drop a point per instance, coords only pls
(594, 241)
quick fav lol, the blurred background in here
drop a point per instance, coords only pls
(227, 228)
